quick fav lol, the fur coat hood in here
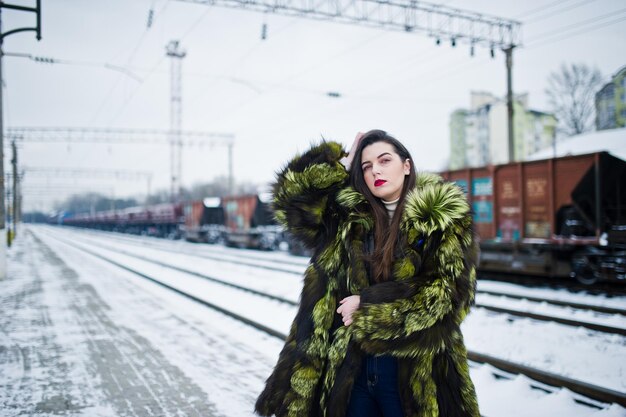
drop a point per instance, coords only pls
(414, 317)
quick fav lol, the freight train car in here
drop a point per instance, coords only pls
(165, 220)
(250, 223)
(162, 220)
(556, 217)
(204, 220)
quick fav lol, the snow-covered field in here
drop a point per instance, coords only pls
(115, 344)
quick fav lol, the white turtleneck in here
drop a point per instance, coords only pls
(391, 206)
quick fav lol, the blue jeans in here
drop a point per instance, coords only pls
(375, 390)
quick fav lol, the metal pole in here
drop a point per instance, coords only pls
(176, 54)
(37, 11)
(509, 100)
(19, 197)
(14, 211)
(3, 240)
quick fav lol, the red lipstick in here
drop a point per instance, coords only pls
(378, 183)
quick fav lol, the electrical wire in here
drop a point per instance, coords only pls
(559, 11)
(127, 101)
(574, 25)
(394, 72)
(71, 62)
(458, 68)
(539, 9)
(394, 81)
(237, 64)
(307, 70)
(129, 60)
(580, 32)
(541, 17)
(464, 68)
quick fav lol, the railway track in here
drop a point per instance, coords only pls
(194, 249)
(225, 256)
(491, 307)
(555, 283)
(602, 288)
(545, 381)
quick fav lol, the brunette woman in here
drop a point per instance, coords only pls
(391, 278)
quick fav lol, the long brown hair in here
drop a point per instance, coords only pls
(386, 235)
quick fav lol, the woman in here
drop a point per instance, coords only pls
(390, 280)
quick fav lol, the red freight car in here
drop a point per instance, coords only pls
(204, 220)
(555, 217)
(250, 222)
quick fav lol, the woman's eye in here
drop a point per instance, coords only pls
(384, 161)
(365, 168)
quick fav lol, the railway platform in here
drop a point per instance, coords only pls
(63, 351)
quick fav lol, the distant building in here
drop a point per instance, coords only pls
(479, 136)
(611, 103)
(457, 138)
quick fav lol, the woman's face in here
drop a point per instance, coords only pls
(384, 170)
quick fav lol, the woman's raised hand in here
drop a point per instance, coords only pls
(347, 160)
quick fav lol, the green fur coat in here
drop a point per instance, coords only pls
(415, 316)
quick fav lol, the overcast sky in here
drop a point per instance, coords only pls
(271, 94)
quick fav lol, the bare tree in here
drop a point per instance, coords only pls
(571, 92)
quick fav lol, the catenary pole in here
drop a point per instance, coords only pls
(509, 101)
(3, 232)
(37, 29)
(15, 188)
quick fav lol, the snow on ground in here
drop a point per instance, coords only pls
(42, 367)
(205, 346)
(62, 355)
(286, 285)
(228, 253)
(221, 362)
(240, 302)
(587, 355)
(189, 247)
(227, 268)
(614, 301)
(570, 313)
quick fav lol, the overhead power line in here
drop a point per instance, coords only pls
(124, 105)
(434, 20)
(129, 60)
(540, 9)
(577, 25)
(557, 12)
(588, 29)
(51, 60)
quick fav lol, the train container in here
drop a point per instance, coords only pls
(72, 219)
(556, 217)
(162, 220)
(166, 220)
(130, 219)
(250, 223)
(204, 220)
